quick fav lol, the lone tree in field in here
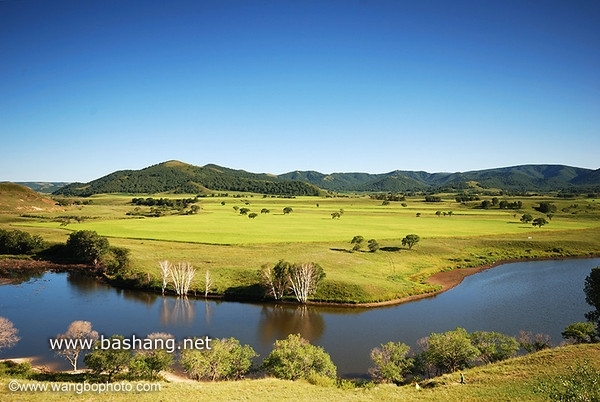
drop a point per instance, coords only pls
(591, 289)
(80, 331)
(410, 240)
(8, 334)
(303, 279)
(539, 222)
(287, 210)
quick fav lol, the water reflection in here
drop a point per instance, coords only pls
(176, 311)
(84, 284)
(278, 321)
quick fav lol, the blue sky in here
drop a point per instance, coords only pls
(89, 87)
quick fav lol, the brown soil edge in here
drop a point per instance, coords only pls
(446, 279)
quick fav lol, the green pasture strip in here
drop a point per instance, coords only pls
(222, 225)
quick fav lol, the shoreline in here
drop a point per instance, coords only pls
(446, 279)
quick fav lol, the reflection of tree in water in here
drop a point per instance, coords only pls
(87, 285)
(278, 321)
(176, 311)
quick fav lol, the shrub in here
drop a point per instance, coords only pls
(295, 358)
(225, 360)
(391, 362)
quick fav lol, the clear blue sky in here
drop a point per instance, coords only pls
(88, 87)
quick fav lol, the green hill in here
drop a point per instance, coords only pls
(515, 178)
(179, 177)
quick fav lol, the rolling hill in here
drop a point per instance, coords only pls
(17, 198)
(179, 177)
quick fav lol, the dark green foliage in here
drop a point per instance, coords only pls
(180, 177)
(526, 218)
(591, 289)
(287, 210)
(87, 246)
(227, 359)
(410, 240)
(539, 222)
(357, 242)
(295, 358)
(373, 245)
(546, 207)
(19, 242)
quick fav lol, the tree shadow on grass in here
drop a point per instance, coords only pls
(391, 249)
(343, 250)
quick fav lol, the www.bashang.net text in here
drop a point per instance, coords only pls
(133, 343)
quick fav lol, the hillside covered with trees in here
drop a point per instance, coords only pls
(179, 177)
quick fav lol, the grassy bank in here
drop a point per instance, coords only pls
(513, 379)
(233, 247)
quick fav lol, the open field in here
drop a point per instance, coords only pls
(234, 247)
(510, 380)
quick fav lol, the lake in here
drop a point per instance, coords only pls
(538, 296)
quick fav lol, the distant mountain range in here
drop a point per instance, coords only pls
(179, 177)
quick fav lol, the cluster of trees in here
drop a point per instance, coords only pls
(463, 198)
(388, 197)
(18, 242)
(526, 218)
(86, 246)
(433, 198)
(180, 276)
(299, 280)
(359, 241)
(164, 202)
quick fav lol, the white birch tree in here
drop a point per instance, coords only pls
(303, 279)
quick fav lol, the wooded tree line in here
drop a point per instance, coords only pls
(17, 242)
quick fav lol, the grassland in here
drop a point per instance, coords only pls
(514, 379)
(234, 247)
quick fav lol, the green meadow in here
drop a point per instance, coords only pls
(233, 247)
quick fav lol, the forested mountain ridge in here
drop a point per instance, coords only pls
(514, 178)
(179, 177)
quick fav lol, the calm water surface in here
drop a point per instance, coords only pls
(540, 296)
